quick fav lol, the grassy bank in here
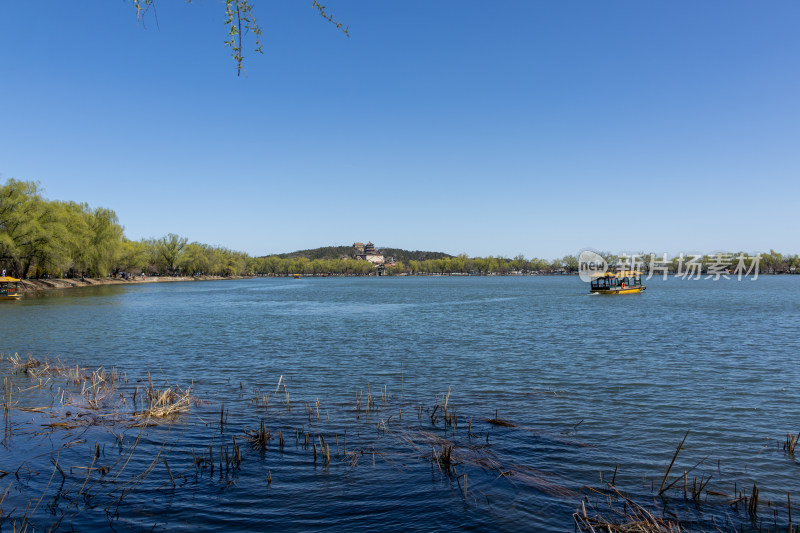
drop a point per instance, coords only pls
(36, 285)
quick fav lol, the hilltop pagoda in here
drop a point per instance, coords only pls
(367, 252)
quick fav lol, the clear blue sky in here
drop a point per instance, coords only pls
(479, 127)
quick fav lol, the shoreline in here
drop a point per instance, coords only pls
(40, 285)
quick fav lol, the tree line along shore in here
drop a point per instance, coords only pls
(49, 239)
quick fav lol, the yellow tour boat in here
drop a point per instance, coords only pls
(9, 288)
(622, 282)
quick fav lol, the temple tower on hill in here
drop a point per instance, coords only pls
(367, 253)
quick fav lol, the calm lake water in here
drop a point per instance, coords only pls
(589, 382)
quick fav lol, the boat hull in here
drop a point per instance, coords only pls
(619, 290)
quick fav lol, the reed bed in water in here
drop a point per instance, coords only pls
(681, 503)
(628, 517)
(96, 438)
(83, 401)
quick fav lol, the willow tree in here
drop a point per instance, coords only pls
(195, 259)
(169, 249)
(76, 242)
(105, 241)
(26, 224)
(133, 256)
(91, 239)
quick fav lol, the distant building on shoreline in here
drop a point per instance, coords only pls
(367, 253)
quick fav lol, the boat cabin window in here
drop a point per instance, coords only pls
(605, 282)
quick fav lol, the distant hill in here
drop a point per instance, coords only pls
(336, 252)
(407, 255)
(326, 252)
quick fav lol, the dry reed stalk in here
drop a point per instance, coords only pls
(791, 443)
(427, 444)
(24, 365)
(34, 409)
(169, 471)
(134, 482)
(7, 393)
(698, 487)
(752, 506)
(633, 518)
(166, 403)
(661, 489)
(260, 438)
(500, 422)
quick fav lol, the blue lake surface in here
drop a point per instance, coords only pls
(589, 382)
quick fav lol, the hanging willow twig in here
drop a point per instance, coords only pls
(324, 13)
(240, 21)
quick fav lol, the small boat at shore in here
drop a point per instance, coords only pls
(9, 288)
(622, 282)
